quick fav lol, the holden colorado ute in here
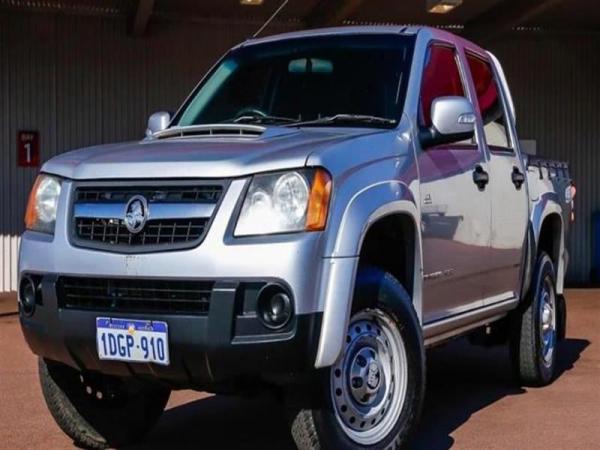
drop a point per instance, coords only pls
(324, 207)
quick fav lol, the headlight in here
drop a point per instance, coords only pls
(43, 203)
(285, 203)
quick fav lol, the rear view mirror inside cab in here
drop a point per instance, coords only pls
(310, 65)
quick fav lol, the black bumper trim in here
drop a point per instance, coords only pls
(205, 350)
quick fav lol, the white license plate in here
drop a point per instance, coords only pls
(132, 340)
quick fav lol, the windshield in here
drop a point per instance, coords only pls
(358, 78)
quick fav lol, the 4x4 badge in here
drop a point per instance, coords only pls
(136, 213)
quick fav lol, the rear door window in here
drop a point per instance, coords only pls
(490, 104)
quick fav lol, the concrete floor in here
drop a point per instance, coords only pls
(472, 401)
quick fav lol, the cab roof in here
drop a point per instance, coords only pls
(433, 33)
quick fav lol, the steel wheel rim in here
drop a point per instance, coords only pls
(374, 353)
(547, 322)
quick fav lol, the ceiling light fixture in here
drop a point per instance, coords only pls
(442, 6)
(251, 2)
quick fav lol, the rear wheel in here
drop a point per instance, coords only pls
(98, 411)
(535, 328)
(371, 397)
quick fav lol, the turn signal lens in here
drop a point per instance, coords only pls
(318, 203)
(31, 214)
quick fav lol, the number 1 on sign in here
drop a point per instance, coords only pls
(28, 149)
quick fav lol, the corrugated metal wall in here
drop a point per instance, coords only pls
(83, 80)
(555, 80)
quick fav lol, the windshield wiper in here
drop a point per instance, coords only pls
(260, 119)
(358, 119)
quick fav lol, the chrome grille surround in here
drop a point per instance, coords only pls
(179, 214)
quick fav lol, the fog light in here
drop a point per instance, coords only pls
(274, 307)
(28, 295)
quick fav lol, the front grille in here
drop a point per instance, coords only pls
(178, 216)
(167, 194)
(156, 232)
(134, 295)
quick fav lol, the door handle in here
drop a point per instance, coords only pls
(518, 178)
(480, 177)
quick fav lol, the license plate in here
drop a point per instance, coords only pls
(132, 340)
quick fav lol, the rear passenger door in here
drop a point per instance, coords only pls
(455, 212)
(508, 191)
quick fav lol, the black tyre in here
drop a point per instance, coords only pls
(561, 317)
(97, 411)
(534, 332)
(371, 397)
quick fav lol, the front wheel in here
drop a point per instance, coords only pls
(371, 397)
(98, 411)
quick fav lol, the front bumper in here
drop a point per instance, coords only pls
(224, 346)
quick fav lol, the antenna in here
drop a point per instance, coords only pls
(270, 19)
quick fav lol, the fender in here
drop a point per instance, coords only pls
(366, 207)
(549, 204)
(530, 248)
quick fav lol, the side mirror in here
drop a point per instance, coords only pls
(157, 122)
(453, 120)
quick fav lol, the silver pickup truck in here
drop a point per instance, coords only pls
(324, 207)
